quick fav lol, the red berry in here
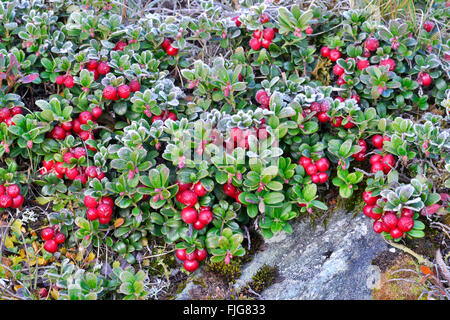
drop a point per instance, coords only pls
(315, 178)
(72, 173)
(188, 198)
(425, 79)
(237, 21)
(264, 18)
(311, 169)
(181, 254)
(428, 26)
(377, 166)
(172, 51)
(255, 44)
(305, 161)
(189, 215)
(17, 201)
(103, 68)
(85, 116)
(79, 152)
(322, 164)
(406, 212)
(92, 214)
(405, 224)
(60, 79)
(104, 211)
(172, 116)
(191, 265)
(76, 126)
(257, 34)
(104, 220)
(97, 112)
(124, 91)
(205, 217)
(323, 177)
(68, 156)
(60, 238)
(268, 34)
(362, 64)
(68, 82)
(377, 141)
(378, 226)
(134, 86)
(58, 133)
(323, 117)
(367, 210)
(396, 233)
(166, 43)
(388, 162)
(390, 220)
(92, 65)
(199, 189)
(375, 158)
(367, 198)
(183, 186)
(198, 225)
(325, 52)
(59, 168)
(309, 30)
(120, 45)
(90, 202)
(336, 122)
(51, 246)
(109, 92)
(13, 190)
(334, 55)
(265, 43)
(201, 254)
(108, 201)
(229, 189)
(338, 70)
(47, 233)
(372, 44)
(388, 62)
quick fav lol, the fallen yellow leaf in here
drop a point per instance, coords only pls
(55, 294)
(118, 222)
(90, 257)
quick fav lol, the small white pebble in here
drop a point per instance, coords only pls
(392, 250)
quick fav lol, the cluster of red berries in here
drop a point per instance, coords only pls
(320, 110)
(123, 91)
(167, 46)
(388, 221)
(6, 114)
(101, 210)
(121, 44)
(316, 170)
(81, 173)
(262, 38)
(66, 80)
(361, 155)
(188, 194)
(61, 130)
(10, 196)
(52, 238)
(239, 137)
(191, 260)
(230, 190)
(262, 98)
(98, 68)
(331, 54)
(163, 116)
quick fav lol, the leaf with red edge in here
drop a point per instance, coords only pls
(29, 78)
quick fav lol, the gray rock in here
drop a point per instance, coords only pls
(320, 264)
(326, 264)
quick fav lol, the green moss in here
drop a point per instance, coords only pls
(263, 278)
(230, 272)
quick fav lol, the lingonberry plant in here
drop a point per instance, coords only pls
(158, 142)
